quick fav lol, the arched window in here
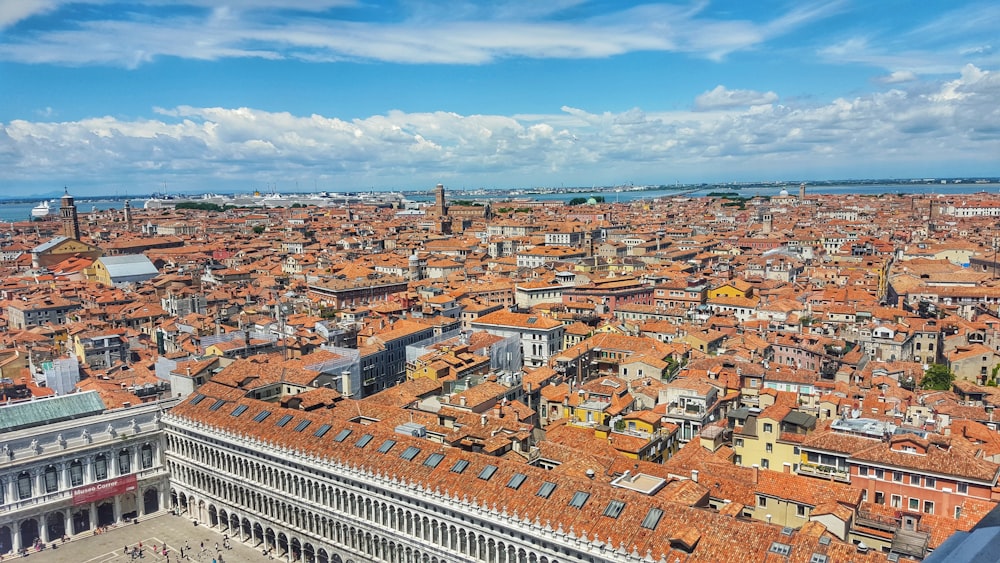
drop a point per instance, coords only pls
(76, 473)
(24, 485)
(100, 467)
(51, 479)
(146, 456)
(124, 462)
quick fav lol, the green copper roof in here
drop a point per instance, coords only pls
(25, 414)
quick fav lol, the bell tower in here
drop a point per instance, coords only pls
(68, 217)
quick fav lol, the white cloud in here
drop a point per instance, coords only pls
(934, 124)
(464, 33)
(898, 77)
(722, 98)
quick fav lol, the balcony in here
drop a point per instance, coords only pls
(825, 472)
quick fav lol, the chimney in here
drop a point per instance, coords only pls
(345, 383)
(787, 467)
(756, 473)
(694, 475)
(461, 401)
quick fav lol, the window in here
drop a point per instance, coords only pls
(433, 460)
(340, 437)
(51, 479)
(459, 466)
(545, 491)
(765, 463)
(240, 409)
(516, 481)
(614, 509)
(283, 421)
(963, 488)
(896, 501)
(76, 473)
(897, 476)
(410, 453)
(323, 429)
(915, 479)
(738, 442)
(146, 456)
(769, 447)
(738, 459)
(780, 548)
(302, 425)
(124, 462)
(216, 405)
(386, 446)
(768, 427)
(363, 441)
(863, 470)
(914, 503)
(761, 501)
(579, 499)
(880, 474)
(879, 497)
(800, 510)
(24, 485)
(487, 472)
(101, 467)
(930, 482)
(958, 512)
(928, 507)
(652, 518)
(261, 416)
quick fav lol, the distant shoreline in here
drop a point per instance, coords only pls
(492, 193)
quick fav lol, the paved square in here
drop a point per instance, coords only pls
(109, 547)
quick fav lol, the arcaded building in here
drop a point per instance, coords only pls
(68, 465)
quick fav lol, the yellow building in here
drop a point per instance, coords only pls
(770, 439)
(733, 288)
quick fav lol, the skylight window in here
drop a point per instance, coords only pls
(240, 409)
(410, 453)
(197, 399)
(614, 509)
(516, 481)
(217, 405)
(487, 472)
(652, 518)
(302, 425)
(342, 435)
(283, 421)
(545, 491)
(459, 466)
(579, 499)
(780, 548)
(322, 430)
(386, 446)
(433, 460)
(259, 417)
(363, 441)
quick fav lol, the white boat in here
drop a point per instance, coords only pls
(41, 210)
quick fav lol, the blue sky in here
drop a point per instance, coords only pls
(209, 96)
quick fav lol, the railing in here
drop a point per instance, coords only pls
(877, 521)
(66, 493)
(825, 471)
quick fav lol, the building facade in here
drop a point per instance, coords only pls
(78, 468)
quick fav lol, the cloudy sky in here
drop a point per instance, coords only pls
(211, 96)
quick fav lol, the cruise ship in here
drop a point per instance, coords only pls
(43, 209)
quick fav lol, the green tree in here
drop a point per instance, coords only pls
(938, 376)
(259, 229)
(578, 201)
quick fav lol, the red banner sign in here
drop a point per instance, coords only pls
(104, 489)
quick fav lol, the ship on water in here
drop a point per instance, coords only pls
(43, 209)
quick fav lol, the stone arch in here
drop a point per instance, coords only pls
(55, 524)
(282, 544)
(6, 540)
(29, 532)
(151, 500)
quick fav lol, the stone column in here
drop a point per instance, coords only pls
(43, 528)
(118, 508)
(64, 480)
(68, 521)
(38, 475)
(15, 533)
(140, 506)
(93, 515)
